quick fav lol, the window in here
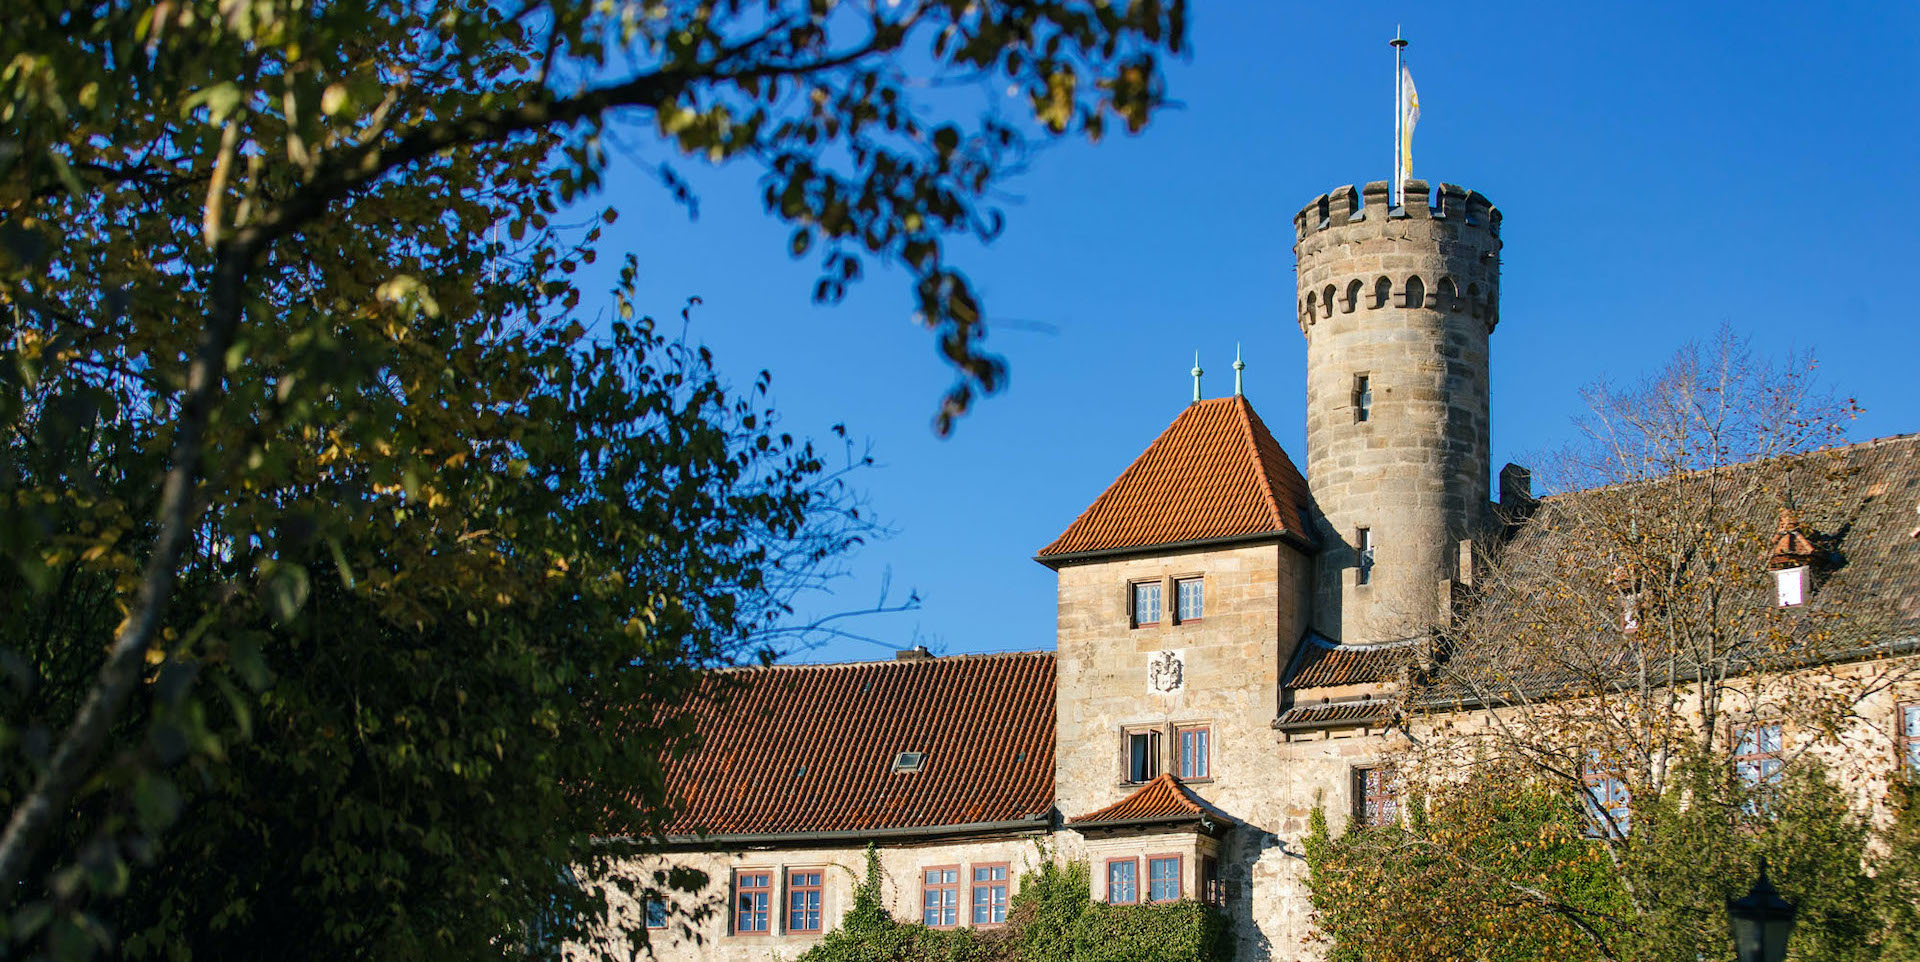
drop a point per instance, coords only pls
(1790, 587)
(1163, 878)
(803, 900)
(1123, 881)
(940, 897)
(1756, 754)
(989, 894)
(1212, 891)
(1191, 596)
(1376, 796)
(1362, 398)
(1195, 751)
(1363, 544)
(656, 913)
(1607, 800)
(1910, 737)
(907, 763)
(1143, 756)
(1146, 604)
(754, 895)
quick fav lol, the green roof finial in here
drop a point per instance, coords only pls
(1238, 366)
(1196, 375)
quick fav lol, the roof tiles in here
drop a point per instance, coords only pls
(1322, 663)
(1163, 799)
(1216, 472)
(806, 749)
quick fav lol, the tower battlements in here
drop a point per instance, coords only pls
(1343, 206)
(1397, 305)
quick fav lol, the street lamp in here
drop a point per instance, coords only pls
(1761, 922)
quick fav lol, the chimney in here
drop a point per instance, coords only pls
(916, 653)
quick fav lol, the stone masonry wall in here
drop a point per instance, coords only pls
(1406, 299)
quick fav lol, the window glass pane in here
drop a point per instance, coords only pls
(1913, 721)
(1146, 603)
(1163, 879)
(1192, 597)
(656, 914)
(1121, 882)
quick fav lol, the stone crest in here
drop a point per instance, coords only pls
(1166, 672)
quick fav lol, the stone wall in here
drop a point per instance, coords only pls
(1405, 299)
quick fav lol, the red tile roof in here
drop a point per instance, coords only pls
(1163, 799)
(1216, 472)
(1321, 663)
(1333, 715)
(800, 749)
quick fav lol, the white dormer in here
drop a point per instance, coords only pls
(1790, 586)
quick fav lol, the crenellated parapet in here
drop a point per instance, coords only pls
(1397, 305)
(1451, 203)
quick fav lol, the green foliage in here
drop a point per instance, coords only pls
(1506, 872)
(1052, 919)
(347, 584)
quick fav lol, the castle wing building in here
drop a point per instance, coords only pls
(1236, 641)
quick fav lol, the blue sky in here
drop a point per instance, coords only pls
(1663, 169)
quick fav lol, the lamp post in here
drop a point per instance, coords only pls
(1761, 922)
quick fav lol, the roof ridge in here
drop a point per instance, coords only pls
(960, 656)
(1247, 420)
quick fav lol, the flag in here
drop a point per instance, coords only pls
(1409, 115)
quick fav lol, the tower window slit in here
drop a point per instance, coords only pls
(1362, 398)
(1363, 544)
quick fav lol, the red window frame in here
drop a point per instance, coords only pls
(1203, 736)
(748, 883)
(1133, 603)
(1751, 754)
(1376, 801)
(1906, 721)
(1179, 600)
(945, 887)
(1133, 881)
(1179, 880)
(997, 890)
(805, 914)
(1151, 758)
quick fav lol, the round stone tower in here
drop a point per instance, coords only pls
(1397, 305)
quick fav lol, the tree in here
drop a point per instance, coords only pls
(1577, 728)
(260, 332)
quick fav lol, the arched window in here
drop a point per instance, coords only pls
(1313, 305)
(1416, 292)
(1326, 302)
(1353, 297)
(1446, 298)
(1382, 292)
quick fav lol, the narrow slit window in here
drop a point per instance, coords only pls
(1363, 544)
(1362, 398)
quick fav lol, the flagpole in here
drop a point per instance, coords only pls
(1394, 198)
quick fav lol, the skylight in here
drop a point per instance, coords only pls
(909, 762)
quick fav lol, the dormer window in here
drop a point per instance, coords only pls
(1362, 398)
(1790, 586)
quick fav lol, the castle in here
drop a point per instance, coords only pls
(1229, 633)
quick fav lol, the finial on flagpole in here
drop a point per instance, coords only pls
(1238, 366)
(1399, 112)
(1196, 375)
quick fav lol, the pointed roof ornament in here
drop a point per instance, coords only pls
(1238, 366)
(1196, 375)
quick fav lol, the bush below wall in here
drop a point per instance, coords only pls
(1052, 919)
